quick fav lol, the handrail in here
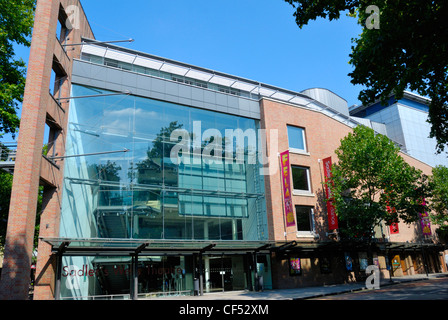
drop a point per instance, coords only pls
(99, 297)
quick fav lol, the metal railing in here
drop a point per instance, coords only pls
(161, 294)
(149, 295)
(100, 297)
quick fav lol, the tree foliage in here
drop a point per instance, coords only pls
(372, 183)
(5, 195)
(439, 200)
(409, 51)
(16, 22)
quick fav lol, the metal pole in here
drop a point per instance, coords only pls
(59, 254)
(57, 290)
(88, 154)
(257, 284)
(249, 270)
(94, 96)
(201, 289)
(135, 277)
(96, 42)
(222, 270)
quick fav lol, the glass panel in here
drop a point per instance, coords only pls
(296, 138)
(95, 278)
(303, 215)
(146, 193)
(300, 178)
(160, 275)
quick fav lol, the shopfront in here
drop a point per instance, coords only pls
(112, 269)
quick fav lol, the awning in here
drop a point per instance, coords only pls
(114, 247)
(124, 247)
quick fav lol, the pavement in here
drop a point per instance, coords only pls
(300, 293)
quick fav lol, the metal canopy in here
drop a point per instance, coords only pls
(142, 247)
(102, 247)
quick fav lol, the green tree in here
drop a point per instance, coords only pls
(16, 23)
(409, 50)
(372, 184)
(439, 200)
(5, 195)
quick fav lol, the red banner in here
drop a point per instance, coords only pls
(286, 171)
(331, 210)
(394, 228)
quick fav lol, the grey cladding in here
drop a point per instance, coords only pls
(109, 78)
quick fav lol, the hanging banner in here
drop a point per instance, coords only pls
(424, 221)
(394, 228)
(287, 199)
(331, 210)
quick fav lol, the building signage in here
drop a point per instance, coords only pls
(424, 220)
(287, 199)
(331, 209)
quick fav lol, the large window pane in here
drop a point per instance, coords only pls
(304, 216)
(300, 177)
(296, 138)
(144, 193)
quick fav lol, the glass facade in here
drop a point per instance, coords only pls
(184, 175)
(406, 123)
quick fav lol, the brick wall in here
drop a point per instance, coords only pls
(323, 135)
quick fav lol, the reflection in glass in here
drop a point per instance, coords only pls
(147, 193)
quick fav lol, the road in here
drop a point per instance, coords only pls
(434, 289)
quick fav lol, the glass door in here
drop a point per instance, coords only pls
(224, 273)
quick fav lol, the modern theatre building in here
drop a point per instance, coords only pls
(167, 178)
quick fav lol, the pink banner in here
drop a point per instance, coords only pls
(331, 210)
(286, 171)
(424, 220)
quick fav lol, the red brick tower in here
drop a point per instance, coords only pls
(57, 25)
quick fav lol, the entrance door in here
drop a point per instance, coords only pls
(404, 267)
(220, 274)
(224, 273)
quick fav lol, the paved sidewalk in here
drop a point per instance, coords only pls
(300, 293)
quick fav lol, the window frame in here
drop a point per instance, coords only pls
(312, 231)
(305, 146)
(308, 177)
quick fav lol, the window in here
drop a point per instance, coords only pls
(296, 138)
(305, 219)
(190, 81)
(64, 26)
(229, 90)
(301, 179)
(57, 78)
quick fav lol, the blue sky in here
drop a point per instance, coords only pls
(254, 39)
